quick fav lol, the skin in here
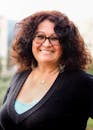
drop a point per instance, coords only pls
(46, 53)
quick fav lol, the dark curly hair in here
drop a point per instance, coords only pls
(75, 54)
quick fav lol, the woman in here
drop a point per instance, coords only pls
(51, 88)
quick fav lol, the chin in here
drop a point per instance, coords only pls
(45, 61)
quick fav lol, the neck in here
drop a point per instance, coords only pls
(46, 69)
(44, 75)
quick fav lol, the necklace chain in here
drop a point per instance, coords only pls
(44, 81)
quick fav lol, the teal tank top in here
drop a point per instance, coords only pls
(23, 107)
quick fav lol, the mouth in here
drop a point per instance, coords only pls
(46, 51)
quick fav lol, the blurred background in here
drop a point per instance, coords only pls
(11, 12)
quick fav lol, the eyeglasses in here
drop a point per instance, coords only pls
(40, 37)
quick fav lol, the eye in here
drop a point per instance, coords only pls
(40, 36)
(53, 38)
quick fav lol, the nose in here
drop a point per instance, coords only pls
(46, 42)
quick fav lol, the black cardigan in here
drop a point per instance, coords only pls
(67, 105)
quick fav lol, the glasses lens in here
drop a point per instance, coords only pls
(54, 40)
(39, 38)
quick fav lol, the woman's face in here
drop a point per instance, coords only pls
(45, 46)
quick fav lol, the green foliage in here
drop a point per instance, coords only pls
(90, 70)
(90, 122)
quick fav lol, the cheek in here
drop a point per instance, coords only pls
(60, 52)
(34, 47)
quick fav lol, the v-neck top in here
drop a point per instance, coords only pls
(67, 105)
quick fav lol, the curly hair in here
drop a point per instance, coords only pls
(75, 54)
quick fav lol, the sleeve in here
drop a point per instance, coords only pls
(10, 88)
(91, 95)
(1, 128)
(17, 76)
(5, 97)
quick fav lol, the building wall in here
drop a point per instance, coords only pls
(86, 29)
(3, 43)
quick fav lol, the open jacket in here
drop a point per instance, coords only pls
(67, 105)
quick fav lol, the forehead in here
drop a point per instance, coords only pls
(39, 33)
(46, 26)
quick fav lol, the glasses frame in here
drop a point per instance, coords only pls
(44, 38)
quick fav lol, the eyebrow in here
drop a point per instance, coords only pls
(45, 33)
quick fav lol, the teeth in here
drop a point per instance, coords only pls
(45, 51)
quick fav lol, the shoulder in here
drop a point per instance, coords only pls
(16, 77)
(19, 75)
(78, 75)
